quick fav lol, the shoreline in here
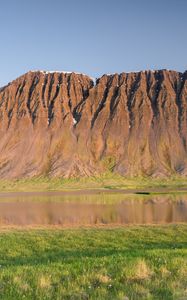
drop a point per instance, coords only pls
(66, 192)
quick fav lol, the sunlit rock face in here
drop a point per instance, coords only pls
(67, 124)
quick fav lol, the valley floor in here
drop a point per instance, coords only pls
(107, 181)
(117, 263)
(144, 262)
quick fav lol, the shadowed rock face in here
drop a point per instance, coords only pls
(61, 124)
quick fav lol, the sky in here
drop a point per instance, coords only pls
(91, 37)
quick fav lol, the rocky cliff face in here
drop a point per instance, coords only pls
(62, 124)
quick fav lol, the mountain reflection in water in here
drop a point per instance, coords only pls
(158, 209)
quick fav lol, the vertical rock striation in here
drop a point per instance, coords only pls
(61, 124)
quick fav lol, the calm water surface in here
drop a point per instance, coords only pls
(102, 209)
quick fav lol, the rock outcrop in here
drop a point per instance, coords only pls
(65, 124)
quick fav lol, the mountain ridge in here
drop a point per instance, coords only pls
(65, 124)
(91, 77)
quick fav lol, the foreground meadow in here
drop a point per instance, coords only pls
(144, 262)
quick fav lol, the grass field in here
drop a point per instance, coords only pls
(145, 262)
(125, 263)
(105, 181)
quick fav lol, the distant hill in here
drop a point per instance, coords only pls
(67, 124)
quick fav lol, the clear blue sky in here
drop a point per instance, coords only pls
(93, 37)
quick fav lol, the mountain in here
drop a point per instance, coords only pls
(65, 124)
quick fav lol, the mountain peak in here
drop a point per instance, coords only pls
(60, 123)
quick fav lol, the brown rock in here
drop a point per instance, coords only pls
(60, 124)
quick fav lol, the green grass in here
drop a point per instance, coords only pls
(106, 181)
(118, 263)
